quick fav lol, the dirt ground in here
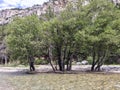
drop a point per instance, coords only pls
(12, 78)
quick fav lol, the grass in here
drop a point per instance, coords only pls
(51, 81)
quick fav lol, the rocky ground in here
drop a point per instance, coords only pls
(47, 68)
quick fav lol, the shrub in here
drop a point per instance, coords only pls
(41, 61)
(89, 59)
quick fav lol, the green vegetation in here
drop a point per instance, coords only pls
(80, 31)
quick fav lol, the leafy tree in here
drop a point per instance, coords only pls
(60, 33)
(24, 38)
(99, 36)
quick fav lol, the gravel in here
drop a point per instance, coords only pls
(47, 68)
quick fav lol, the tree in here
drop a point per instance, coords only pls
(99, 36)
(24, 38)
(60, 33)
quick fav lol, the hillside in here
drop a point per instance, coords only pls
(7, 15)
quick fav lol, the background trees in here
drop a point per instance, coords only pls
(80, 30)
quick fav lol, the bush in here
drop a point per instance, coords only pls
(41, 61)
(89, 59)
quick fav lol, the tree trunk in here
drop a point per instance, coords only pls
(70, 65)
(93, 62)
(60, 64)
(5, 60)
(50, 57)
(93, 66)
(67, 63)
(59, 58)
(101, 61)
(56, 64)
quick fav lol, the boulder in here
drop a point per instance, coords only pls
(84, 62)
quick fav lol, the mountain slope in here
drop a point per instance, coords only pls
(7, 15)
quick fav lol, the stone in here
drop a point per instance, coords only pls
(84, 62)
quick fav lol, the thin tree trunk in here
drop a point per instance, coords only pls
(93, 62)
(50, 57)
(59, 58)
(70, 65)
(56, 64)
(64, 56)
(51, 64)
(68, 61)
(101, 61)
(5, 60)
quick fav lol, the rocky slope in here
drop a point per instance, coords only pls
(7, 15)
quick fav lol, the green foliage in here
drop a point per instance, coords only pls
(92, 29)
(23, 38)
(89, 59)
(41, 62)
(98, 36)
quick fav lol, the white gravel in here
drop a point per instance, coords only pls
(46, 68)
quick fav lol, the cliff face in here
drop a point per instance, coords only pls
(7, 15)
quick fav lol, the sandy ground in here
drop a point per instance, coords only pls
(47, 68)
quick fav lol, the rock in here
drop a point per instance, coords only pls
(84, 62)
(78, 63)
